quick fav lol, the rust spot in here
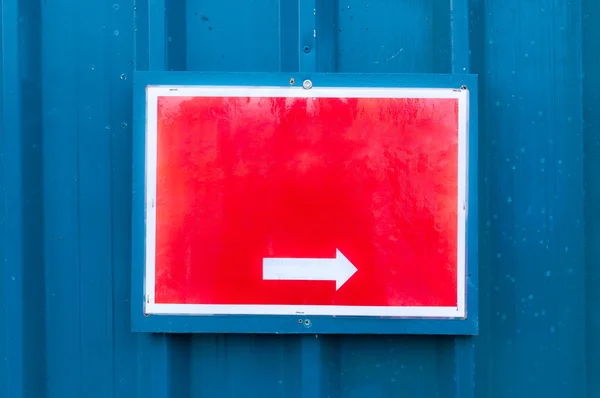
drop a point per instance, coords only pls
(292, 81)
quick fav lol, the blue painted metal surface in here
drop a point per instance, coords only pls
(65, 151)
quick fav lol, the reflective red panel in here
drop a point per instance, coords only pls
(240, 179)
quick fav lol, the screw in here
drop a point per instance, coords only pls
(307, 84)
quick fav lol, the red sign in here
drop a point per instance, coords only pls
(325, 201)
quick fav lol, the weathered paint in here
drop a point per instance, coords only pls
(66, 126)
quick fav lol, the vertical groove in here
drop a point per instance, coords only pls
(312, 367)
(157, 347)
(464, 354)
(22, 350)
(140, 35)
(157, 35)
(326, 26)
(34, 350)
(483, 342)
(13, 367)
(307, 42)
(288, 36)
(119, 60)
(590, 83)
(464, 348)
(176, 32)
(4, 315)
(310, 351)
(459, 34)
(61, 90)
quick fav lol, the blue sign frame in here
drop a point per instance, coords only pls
(298, 324)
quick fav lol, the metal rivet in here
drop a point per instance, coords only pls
(307, 84)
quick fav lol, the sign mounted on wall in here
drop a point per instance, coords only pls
(306, 204)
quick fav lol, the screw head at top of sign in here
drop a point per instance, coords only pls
(307, 84)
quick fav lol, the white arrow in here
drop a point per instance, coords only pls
(338, 269)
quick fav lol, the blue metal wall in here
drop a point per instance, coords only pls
(65, 156)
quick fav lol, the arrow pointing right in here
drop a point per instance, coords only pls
(338, 269)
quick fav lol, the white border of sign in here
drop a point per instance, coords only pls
(152, 94)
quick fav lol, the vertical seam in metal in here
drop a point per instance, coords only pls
(459, 35)
(307, 26)
(310, 345)
(12, 177)
(157, 61)
(464, 347)
(157, 35)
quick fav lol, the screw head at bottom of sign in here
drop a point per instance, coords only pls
(307, 84)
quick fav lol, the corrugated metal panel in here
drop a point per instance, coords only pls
(66, 116)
